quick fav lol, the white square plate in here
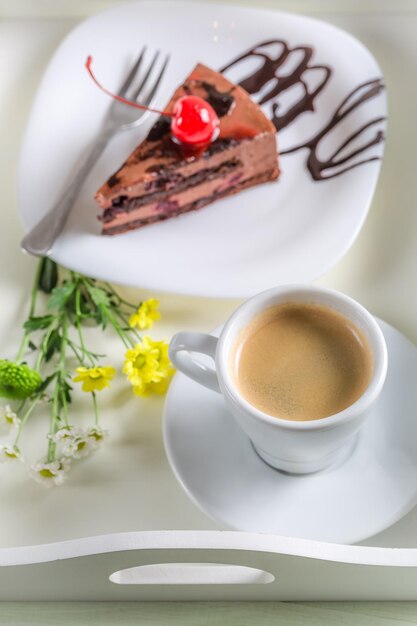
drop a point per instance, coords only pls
(289, 231)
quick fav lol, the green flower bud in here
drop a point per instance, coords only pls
(17, 381)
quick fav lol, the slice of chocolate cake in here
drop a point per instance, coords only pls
(161, 179)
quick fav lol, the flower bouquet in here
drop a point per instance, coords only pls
(53, 356)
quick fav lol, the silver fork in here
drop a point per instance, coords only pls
(40, 239)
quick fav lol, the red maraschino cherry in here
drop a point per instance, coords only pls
(194, 121)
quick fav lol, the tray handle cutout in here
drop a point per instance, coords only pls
(191, 574)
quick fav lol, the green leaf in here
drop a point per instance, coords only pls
(32, 346)
(85, 305)
(99, 296)
(38, 323)
(48, 278)
(46, 382)
(60, 296)
(53, 345)
(66, 390)
(101, 317)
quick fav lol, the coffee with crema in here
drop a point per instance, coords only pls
(301, 362)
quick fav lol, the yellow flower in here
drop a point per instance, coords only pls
(158, 388)
(146, 315)
(148, 367)
(94, 378)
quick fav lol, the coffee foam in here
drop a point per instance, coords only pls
(301, 361)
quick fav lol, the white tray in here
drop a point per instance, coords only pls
(383, 257)
(180, 565)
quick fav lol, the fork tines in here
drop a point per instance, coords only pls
(139, 92)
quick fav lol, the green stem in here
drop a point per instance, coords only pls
(20, 407)
(65, 408)
(42, 348)
(85, 351)
(39, 360)
(126, 322)
(74, 348)
(23, 346)
(54, 412)
(24, 420)
(57, 401)
(64, 341)
(34, 294)
(95, 407)
(114, 293)
(126, 339)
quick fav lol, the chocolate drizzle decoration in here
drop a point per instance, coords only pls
(271, 80)
(269, 72)
(322, 169)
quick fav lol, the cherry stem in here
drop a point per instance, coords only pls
(88, 64)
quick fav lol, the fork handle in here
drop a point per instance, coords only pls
(40, 239)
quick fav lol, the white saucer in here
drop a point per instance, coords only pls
(377, 485)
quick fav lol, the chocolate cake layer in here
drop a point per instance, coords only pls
(159, 180)
(192, 206)
(127, 204)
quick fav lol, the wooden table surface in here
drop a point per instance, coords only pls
(379, 270)
(209, 614)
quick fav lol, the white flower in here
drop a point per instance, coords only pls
(49, 474)
(10, 453)
(64, 434)
(97, 433)
(9, 417)
(80, 446)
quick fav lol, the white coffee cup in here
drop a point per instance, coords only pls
(293, 446)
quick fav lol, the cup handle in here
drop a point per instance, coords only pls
(184, 343)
